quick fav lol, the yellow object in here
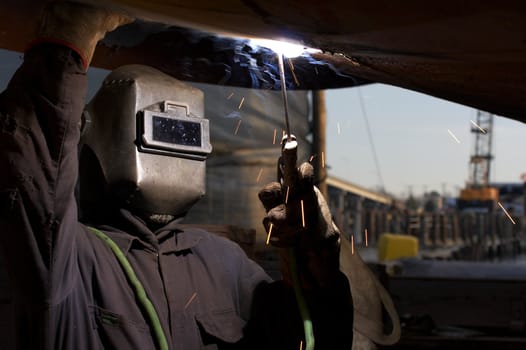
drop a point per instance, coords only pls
(480, 194)
(394, 246)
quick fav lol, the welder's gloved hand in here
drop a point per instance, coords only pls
(79, 26)
(310, 231)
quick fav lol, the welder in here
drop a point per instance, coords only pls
(129, 276)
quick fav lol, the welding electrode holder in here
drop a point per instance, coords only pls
(287, 172)
(289, 179)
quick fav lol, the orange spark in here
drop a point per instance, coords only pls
(241, 103)
(301, 344)
(481, 129)
(287, 195)
(230, 96)
(293, 73)
(269, 232)
(190, 300)
(453, 135)
(366, 240)
(275, 133)
(302, 214)
(506, 212)
(322, 159)
(259, 175)
(312, 158)
(352, 244)
(237, 127)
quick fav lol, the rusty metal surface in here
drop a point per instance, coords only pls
(469, 52)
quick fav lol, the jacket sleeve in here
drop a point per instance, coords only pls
(40, 114)
(275, 321)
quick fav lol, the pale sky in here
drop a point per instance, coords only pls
(413, 146)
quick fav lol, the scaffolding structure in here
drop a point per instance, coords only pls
(478, 194)
(480, 160)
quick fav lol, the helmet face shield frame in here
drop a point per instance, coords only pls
(147, 137)
(174, 132)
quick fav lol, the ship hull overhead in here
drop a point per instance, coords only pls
(467, 52)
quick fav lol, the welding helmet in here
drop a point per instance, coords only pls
(144, 144)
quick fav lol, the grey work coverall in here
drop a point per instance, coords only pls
(69, 291)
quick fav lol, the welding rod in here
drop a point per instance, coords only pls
(289, 174)
(284, 94)
(289, 150)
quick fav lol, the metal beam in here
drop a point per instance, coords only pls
(359, 191)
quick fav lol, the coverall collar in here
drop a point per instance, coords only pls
(168, 239)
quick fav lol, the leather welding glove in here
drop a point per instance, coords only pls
(301, 220)
(78, 26)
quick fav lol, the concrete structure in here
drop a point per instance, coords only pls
(357, 209)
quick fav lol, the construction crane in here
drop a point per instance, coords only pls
(478, 193)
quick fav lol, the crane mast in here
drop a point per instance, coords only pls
(478, 193)
(480, 160)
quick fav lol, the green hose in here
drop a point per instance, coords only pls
(300, 299)
(140, 293)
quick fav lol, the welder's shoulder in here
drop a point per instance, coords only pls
(227, 257)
